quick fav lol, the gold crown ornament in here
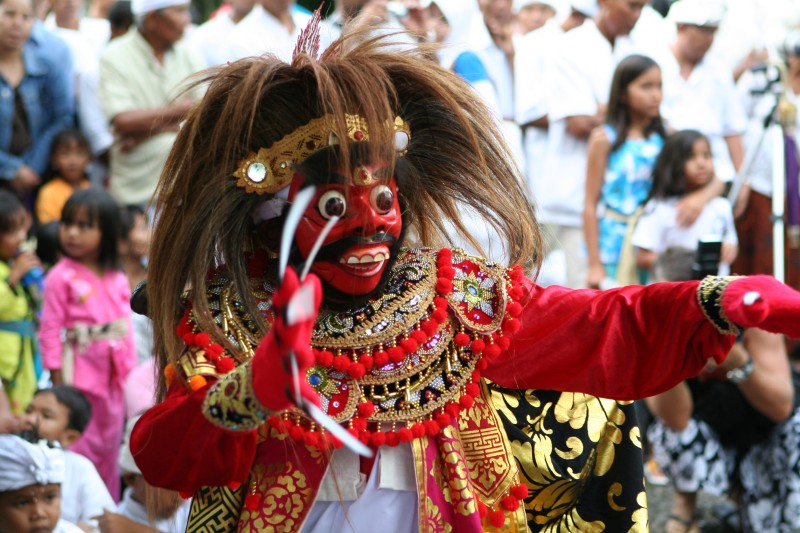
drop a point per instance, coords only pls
(270, 170)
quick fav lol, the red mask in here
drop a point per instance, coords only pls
(357, 251)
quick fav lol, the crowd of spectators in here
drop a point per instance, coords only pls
(628, 124)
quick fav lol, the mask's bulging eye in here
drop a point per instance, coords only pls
(382, 199)
(332, 204)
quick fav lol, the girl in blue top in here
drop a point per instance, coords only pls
(620, 162)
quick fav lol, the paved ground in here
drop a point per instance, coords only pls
(659, 502)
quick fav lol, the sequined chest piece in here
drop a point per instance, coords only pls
(404, 364)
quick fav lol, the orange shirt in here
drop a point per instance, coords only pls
(52, 197)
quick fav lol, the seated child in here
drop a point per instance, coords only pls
(141, 501)
(61, 414)
(30, 487)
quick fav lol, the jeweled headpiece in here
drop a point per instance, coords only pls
(271, 169)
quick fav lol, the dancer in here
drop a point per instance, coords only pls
(425, 354)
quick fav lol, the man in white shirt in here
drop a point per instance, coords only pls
(532, 58)
(583, 65)
(141, 73)
(272, 26)
(699, 94)
(206, 40)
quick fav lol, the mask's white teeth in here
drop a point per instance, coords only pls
(365, 259)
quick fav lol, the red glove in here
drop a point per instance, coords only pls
(763, 302)
(295, 305)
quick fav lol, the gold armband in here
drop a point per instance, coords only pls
(231, 402)
(709, 297)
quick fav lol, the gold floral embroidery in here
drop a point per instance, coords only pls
(457, 483)
(285, 494)
(433, 519)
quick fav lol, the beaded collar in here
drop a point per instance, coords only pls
(399, 367)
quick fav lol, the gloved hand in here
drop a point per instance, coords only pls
(295, 305)
(763, 302)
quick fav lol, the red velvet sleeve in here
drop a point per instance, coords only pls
(625, 343)
(177, 448)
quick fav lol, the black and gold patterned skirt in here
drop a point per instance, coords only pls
(581, 457)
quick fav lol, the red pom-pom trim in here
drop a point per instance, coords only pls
(324, 358)
(513, 309)
(447, 272)
(359, 423)
(405, 435)
(367, 360)
(452, 409)
(202, 339)
(214, 351)
(252, 502)
(504, 342)
(311, 438)
(472, 389)
(377, 439)
(440, 302)
(440, 315)
(409, 346)
(296, 433)
(466, 401)
(366, 409)
(477, 346)
(224, 365)
(418, 430)
(497, 518)
(491, 351)
(381, 359)
(188, 339)
(481, 364)
(511, 326)
(482, 509)
(420, 336)
(182, 329)
(341, 363)
(396, 354)
(356, 371)
(430, 327)
(443, 419)
(444, 257)
(431, 427)
(444, 285)
(461, 339)
(519, 491)
(509, 503)
(392, 439)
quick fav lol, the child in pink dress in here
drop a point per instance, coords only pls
(86, 335)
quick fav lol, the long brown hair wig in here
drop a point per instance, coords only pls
(456, 157)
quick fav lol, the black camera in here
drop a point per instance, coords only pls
(707, 258)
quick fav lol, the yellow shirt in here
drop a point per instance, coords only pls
(52, 197)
